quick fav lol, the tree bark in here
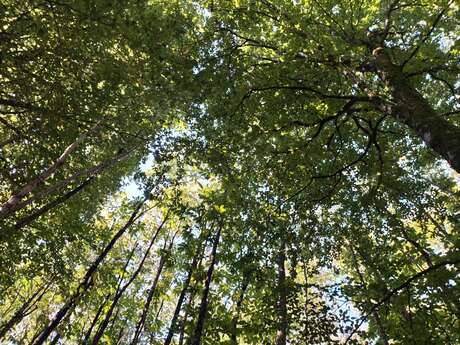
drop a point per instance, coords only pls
(85, 284)
(119, 282)
(89, 172)
(9, 206)
(120, 336)
(180, 300)
(281, 305)
(58, 201)
(234, 330)
(120, 292)
(189, 304)
(24, 310)
(196, 339)
(152, 289)
(95, 319)
(411, 108)
(182, 329)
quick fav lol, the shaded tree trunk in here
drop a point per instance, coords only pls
(182, 329)
(411, 108)
(157, 315)
(85, 284)
(281, 305)
(152, 289)
(119, 282)
(58, 201)
(87, 173)
(189, 305)
(180, 300)
(9, 206)
(120, 336)
(95, 319)
(120, 291)
(234, 330)
(196, 338)
(24, 310)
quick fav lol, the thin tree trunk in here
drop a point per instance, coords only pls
(9, 206)
(412, 109)
(180, 300)
(182, 329)
(58, 201)
(23, 338)
(24, 310)
(119, 282)
(145, 310)
(95, 319)
(89, 172)
(281, 305)
(119, 293)
(85, 284)
(189, 304)
(196, 339)
(234, 330)
(306, 330)
(376, 315)
(114, 320)
(157, 315)
(120, 336)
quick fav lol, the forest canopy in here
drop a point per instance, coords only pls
(229, 172)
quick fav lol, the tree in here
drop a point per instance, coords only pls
(226, 172)
(308, 67)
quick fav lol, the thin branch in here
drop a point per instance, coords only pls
(427, 35)
(397, 289)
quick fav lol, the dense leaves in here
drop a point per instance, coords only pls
(229, 172)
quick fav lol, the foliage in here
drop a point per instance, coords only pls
(229, 172)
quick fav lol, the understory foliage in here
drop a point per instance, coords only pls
(229, 172)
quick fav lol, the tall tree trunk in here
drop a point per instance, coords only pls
(120, 336)
(180, 300)
(121, 291)
(9, 206)
(182, 328)
(375, 313)
(95, 319)
(306, 329)
(189, 304)
(87, 173)
(56, 202)
(24, 310)
(411, 108)
(196, 338)
(239, 302)
(157, 315)
(152, 289)
(85, 284)
(119, 282)
(281, 305)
